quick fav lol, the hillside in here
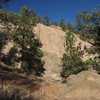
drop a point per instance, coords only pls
(53, 47)
(53, 40)
(83, 86)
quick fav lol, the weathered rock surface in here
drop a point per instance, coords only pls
(53, 40)
(83, 86)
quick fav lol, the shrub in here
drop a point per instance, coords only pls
(71, 61)
(72, 64)
(91, 50)
(93, 64)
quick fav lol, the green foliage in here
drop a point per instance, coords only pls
(91, 50)
(89, 63)
(70, 27)
(39, 19)
(70, 40)
(87, 37)
(10, 57)
(71, 61)
(93, 64)
(3, 15)
(3, 40)
(87, 23)
(12, 17)
(82, 20)
(27, 17)
(47, 20)
(72, 64)
(4, 31)
(23, 35)
(29, 44)
(88, 26)
(63, 24)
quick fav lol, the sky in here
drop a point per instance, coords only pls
(55, 9)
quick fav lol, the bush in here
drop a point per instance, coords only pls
(25, 39)
(97, 64)
(72, 64)
(91, 50)
(71, 61)
(93, 64)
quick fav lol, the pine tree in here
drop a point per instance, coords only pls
(88, 25)
(47, 20)
(63, 25)
(70, 27)
(39, 19)
(3, 15)
(71, 61)
(29, 44)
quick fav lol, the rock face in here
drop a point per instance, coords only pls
(53, 41)
(83, 86)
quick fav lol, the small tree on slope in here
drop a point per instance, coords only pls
(71, 61)
(63, 24)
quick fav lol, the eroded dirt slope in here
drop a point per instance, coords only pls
(84, 86)
(53, 40)
(53, 48)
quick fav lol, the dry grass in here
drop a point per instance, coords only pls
(11, 93)
(14, 86)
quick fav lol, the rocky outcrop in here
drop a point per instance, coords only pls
(53, 41)
(83, 86)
